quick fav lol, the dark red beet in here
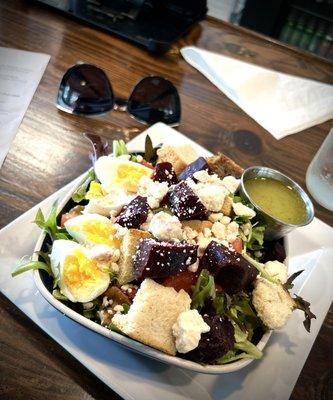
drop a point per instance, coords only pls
(185, 204)
(199, 164)
(156, 260)
(230, 268)
(164, 172)
(273, 251)
(215, 343)
(134, 214)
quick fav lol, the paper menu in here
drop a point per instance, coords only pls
(20, 73)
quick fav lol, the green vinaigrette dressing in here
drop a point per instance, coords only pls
(277, 199)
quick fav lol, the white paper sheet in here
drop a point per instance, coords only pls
(20, 73)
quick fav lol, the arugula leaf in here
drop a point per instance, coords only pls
(222, 303)
(304, 305)
(248, 349)
(203, 290)
(236, 199)
(119, 148)
(239, 309)
(28, 265)
(113, 328)
(126, 308)
(150, 151)
(241, 219)
(256, 239)
(289, 284)
(240, 335)
(80, 193)
(49, 225)
(58, 295)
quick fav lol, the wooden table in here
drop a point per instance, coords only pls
(50, 150)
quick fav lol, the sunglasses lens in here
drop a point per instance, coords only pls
(155, 99)
(85, 89)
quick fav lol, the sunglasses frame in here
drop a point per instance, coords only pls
(119, 104)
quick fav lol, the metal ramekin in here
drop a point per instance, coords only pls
(275, 227)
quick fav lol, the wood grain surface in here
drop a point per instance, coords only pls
(50, 150)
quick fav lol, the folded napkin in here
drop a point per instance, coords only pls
(282, 104)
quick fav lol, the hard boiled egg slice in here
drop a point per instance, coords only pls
(80, 278)
(92, 229)
(113, 202)
(120, 172)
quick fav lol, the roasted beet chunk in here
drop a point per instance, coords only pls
(230, 268)
(164, 172)
(199, 164)
(134, 214)
(273, 251)
(215, 343)
(155, 259)
(185, 204)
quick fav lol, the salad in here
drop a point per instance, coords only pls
(161, 248)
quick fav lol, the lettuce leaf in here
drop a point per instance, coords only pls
(261, 268)
(203, 290)
(256, 239)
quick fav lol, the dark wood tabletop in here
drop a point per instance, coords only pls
(50, 150)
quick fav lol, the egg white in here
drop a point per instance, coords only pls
(114, 201)
(80, 278)
(120, 172)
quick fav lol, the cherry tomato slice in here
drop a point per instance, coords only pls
(237, 244)
(183, 280)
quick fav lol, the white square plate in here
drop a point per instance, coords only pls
(137, 377)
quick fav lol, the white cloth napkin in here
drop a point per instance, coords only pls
(282, 104)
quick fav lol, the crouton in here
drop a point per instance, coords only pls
(227, 206)
(197, 225)
(127, 251)
(179, 156)
(154, 311)
(224, 166)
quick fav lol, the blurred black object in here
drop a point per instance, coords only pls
(307, 24)
(153, 24)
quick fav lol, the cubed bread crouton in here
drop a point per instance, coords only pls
(197, 225)
(127, 252)
(179, 156)
(227, 206)
(154, 311)
(224, 166)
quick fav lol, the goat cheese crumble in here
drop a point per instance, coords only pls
(242, 210)
(166, 227)
(188, 329)
(153, 190)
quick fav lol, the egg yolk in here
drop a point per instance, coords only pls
(128, 175)
(98, 232)
(95, 191)
(80, 273)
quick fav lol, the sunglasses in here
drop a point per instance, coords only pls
(86, 90)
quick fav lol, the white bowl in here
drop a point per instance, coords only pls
(128, 342)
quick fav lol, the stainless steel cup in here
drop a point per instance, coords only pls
(275, 227)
